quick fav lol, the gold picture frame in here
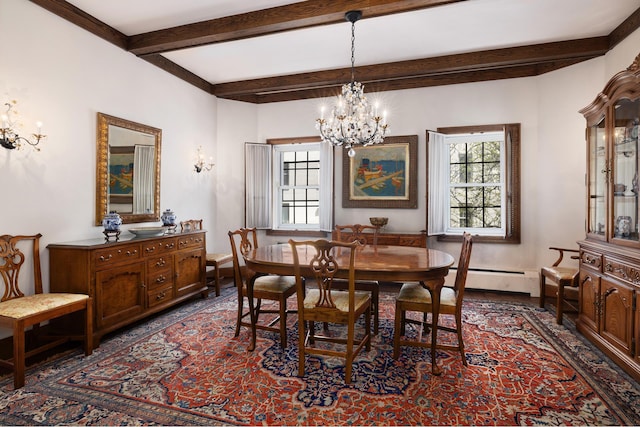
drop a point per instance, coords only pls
(382, 176)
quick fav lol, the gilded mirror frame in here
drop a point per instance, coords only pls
(102, 168)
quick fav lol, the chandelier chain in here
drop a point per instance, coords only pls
(353, 51)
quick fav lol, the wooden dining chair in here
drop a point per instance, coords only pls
(322, 303)
(191, 225)
(265, 287)
(365, 235)
(415, 297)
(215, 260)
(20, 312)
(564, 283)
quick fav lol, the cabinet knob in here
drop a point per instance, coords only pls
(151, 249)
(102, 257)
(161, 279)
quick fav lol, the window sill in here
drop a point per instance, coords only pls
(480, 239)
(309, 233)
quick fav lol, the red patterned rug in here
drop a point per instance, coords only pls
(186, 368)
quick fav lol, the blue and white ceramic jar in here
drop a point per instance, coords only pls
(168, 218)
(112, 221)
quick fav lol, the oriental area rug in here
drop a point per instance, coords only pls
(185, 367)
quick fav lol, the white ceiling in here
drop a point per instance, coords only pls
(461, 27)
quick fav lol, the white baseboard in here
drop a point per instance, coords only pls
(525, 282)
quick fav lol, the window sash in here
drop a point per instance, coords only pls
(298, 209)
(438, 179)
(467, 139)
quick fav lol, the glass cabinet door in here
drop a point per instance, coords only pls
(624, 183)
(598, 173)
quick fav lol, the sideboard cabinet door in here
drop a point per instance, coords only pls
(120, 294)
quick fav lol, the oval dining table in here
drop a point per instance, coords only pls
(372, 262)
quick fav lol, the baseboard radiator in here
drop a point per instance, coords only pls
(526, 281)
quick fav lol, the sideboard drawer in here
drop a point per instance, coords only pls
(622, 271)
(110, 256)
(591, 260)
(159, 246)
(191, 241)
(158, 296)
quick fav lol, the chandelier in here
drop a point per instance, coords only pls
(9, 137)
(352, 120)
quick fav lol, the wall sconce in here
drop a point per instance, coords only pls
(9, 137)
(200, 164)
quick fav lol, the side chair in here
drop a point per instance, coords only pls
(214, 259)
(415, 297)
(564, 283)
(323, 303)
(365, 235)
(19, 311)
(268, 287)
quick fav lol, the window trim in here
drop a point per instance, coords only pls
(512, 181)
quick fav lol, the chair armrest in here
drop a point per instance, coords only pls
(561, 254)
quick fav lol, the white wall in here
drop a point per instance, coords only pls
(63, 75)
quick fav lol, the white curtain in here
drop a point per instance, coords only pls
(143, 179)
(326, 186)
(258, 185)
(438, 169)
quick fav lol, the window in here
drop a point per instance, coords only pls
(474, 176)
(289, 185)
(297, 186)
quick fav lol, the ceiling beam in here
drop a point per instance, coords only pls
(293, 86)
(294, 16)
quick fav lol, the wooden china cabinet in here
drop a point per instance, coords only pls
(610, 254)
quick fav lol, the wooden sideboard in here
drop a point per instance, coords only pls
(399, 239)
(129, 279)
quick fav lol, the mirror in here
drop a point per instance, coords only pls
(127, 170)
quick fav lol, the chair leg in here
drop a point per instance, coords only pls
(460, 342)
(88, 328)
(283, 323)
(375, 310)
(542, 290)
(349, 355)
(368, 326)
(560, 303)
(301, 338)
(216, 278)
(240, 308)
(397, 331)
(18, 355)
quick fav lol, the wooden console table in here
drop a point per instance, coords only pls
(418, 240)
(129, 279)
